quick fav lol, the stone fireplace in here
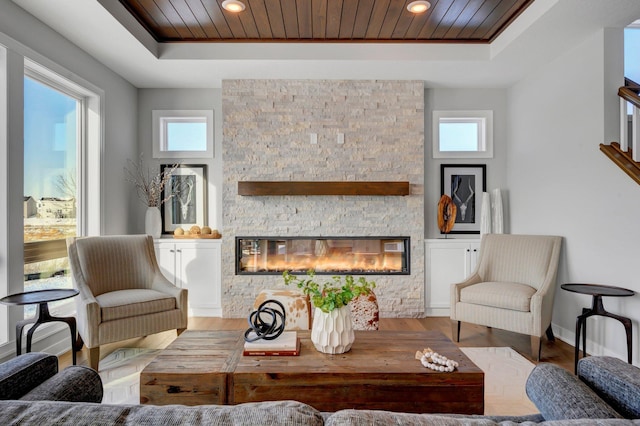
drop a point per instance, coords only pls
(316, 131)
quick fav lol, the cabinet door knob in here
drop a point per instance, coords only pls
(179, 251)
(468, 250)
(475, 249)
(172, 251)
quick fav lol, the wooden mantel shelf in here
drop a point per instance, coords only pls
(262, 188)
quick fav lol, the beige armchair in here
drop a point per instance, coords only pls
(123, 294)
(512, 287)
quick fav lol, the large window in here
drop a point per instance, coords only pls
(631, 47)
(53, 123)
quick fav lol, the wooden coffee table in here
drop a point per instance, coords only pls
(379, 372)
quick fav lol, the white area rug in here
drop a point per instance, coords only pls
(120, 373)
(505, 370)
(505, 376)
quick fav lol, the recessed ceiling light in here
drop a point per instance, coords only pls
(418, 6)
(233, 5)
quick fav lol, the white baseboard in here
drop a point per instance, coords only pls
(593, 348)
(437, 312)
(52, 338)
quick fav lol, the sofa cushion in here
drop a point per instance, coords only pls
(505, 295)
(615, 381)
(75, 383)
(385, 418)
(560, 395)
(21, 374)
(132, 303)
(78, 414)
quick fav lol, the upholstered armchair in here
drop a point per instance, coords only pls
(123, 294)
(512, 287)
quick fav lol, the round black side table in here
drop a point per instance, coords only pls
(597, 308)
(42, 298)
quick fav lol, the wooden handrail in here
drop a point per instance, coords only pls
(623, 158)
(630, 94)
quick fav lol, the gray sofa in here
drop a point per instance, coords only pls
(606, 392)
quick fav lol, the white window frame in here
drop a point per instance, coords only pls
(484, 119)
(159, 121)
(89, 153)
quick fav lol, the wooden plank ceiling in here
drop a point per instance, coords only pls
(459, 21)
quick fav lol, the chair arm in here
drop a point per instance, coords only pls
(74, 384)
(541, 305)
(21, 374)
(162, 284)
(89, 316)
(457, 287)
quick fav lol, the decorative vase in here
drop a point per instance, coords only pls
(332, 332)
(498, 221)
(485, 214)
(365, 314)
(153, 222)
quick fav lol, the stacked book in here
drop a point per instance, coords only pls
(287, 344)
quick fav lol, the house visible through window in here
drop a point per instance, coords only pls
(53, 122)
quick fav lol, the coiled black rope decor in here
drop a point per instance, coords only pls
(266, 322)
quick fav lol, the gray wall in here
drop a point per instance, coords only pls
(465, 99)
(563, 185)
(24, 35)
(150, 99)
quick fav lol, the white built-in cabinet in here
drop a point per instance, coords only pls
(447, 261)
(194, 264)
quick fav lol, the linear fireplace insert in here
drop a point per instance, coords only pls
(325, 255)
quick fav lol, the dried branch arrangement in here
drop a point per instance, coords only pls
(149, 185)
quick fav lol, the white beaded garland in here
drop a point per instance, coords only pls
(435, 361)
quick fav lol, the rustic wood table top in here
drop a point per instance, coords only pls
(379, 372)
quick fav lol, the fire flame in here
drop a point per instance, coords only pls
(336, 262)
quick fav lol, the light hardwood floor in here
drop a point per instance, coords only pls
(556, 352)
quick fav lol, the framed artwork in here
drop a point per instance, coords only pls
(187, 206)
(464, 183)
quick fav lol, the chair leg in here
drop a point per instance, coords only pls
(455, 330)
(180, 330)
(94, 357)
(550, 336)
(536, 347)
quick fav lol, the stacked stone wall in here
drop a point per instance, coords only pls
(267, 126)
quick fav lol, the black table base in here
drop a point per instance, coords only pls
(42, 317)
(597, 308)
(597, 291)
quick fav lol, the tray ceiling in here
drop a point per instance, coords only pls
(342, 21)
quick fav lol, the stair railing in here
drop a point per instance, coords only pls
(626, 154)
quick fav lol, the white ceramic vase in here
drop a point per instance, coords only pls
(153, 222)
(332, 332)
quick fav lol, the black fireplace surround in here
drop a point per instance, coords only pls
(325, 255)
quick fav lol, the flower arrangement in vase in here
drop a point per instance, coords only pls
(332, 329)
(149, 188)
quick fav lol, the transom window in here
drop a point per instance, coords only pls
(182, 133)
(462, 134)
